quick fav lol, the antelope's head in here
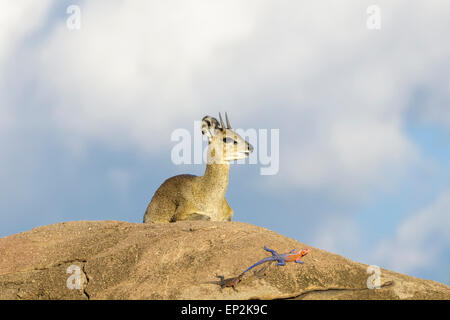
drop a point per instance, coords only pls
(224, 143)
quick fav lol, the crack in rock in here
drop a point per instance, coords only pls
(87, 280)
(303, 294)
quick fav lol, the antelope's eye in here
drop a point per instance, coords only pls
(229, 140)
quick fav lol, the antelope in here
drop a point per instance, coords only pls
(189, 197)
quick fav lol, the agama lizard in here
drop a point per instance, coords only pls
(280, 258)
(281, 261)
(229, 282)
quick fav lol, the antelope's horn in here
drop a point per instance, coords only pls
(228, 121)
(221, 121)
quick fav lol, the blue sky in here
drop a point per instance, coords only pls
(364, 117)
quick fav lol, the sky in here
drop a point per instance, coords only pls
(86, 116)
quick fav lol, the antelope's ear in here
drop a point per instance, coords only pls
(210, 126)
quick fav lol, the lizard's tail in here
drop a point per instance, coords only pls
(258, 263)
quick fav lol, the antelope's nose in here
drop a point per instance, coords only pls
(250, 148)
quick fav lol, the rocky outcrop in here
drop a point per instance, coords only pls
(120, 260)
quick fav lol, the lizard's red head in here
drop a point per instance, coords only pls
(304, 252)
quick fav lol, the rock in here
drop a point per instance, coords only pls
(120, 260)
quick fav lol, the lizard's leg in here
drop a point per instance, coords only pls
(292, 251)
(261, 272)
(281, 263)
(236, 281)
(221, 281)
(299, 261)
(273, 252)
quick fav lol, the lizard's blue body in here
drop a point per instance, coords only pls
(280, 258)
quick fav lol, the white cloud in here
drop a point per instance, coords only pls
(350, 155)
(127, 75)
(337, 91)
(17, 19)
(421, 241)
